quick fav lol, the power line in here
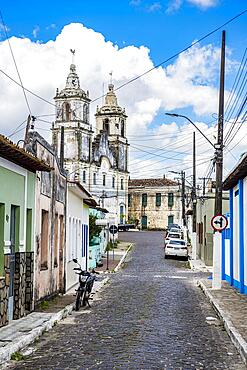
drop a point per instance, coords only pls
(24, 88)
(16, 67)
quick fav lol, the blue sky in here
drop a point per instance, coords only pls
(164, 27)
(129, 22)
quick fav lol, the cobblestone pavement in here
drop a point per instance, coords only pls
(150, 316)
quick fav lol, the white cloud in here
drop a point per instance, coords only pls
(202, 4)
(154, 7)
(135, 2)
(35, 31)
(173, 6)
(51, 26)
(188, 82)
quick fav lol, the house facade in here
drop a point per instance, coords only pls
(205, 212)
(98, 158)
(234, 244)
(154, 203)
(77, 241)
(50, 221)
(17, 223)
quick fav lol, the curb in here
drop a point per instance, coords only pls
(123, 258)
(27, 339)
(233, 333)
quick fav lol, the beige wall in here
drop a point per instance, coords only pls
(157, 216)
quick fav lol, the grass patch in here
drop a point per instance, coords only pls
(44, 305)
(17, 356)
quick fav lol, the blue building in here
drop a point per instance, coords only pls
(234, 241)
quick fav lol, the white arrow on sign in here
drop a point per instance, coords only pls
(219, 222)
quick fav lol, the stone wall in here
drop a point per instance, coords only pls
(29, 305)
(4, 293)
(19, 285)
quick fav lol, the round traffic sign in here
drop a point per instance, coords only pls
(113, 229)
(219, 222)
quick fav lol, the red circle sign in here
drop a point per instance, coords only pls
(219, 222)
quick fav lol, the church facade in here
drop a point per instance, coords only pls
(97, 159)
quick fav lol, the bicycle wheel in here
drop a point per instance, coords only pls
(78, 300)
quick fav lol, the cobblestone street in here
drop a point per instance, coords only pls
(151, 315)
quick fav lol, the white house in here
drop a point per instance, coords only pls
(234, 245)
(77, 240)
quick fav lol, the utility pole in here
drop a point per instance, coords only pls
(204, 184)
(194, 184)
(217, 252)
(183, 197)
(193, 197)
(219, 145)
(27, 130)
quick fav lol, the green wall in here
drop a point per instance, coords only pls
(13, 193)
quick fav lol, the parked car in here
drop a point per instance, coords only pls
(176, 226)
(176, 247)
(172, 235)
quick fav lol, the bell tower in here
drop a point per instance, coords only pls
(111, 119)
(72, 113)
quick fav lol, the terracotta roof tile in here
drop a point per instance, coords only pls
(151, 182)
(19, 156)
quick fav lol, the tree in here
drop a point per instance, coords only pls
(94, 230)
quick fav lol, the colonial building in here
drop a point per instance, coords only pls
(154, 203)
(50, 221)
(204, 213)
(98, 160)
(17, 222)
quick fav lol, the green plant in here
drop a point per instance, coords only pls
(17, 356)
(94, 230)
(44, 305)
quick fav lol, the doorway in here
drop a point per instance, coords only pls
(121, 215)
(144, 222)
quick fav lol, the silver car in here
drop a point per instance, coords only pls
(176, 247)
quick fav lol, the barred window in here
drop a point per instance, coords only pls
(158, 199)
(170, 200)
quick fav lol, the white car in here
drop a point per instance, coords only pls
(176, 247)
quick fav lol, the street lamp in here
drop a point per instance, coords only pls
(188, 119)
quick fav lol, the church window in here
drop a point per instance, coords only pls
(122, 184)
(106, 126)
(66, 112)
(94, 178)
(84, 176)
(113, 182)
(122, 128)
(85, 113)
(104, 176)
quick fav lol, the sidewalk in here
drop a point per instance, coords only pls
(200, 266)
(18, 334)
(116, 258)
(231, 307)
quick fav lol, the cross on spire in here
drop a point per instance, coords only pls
(73, 55)
(111, 73)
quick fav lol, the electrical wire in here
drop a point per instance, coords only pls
(16, 67)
